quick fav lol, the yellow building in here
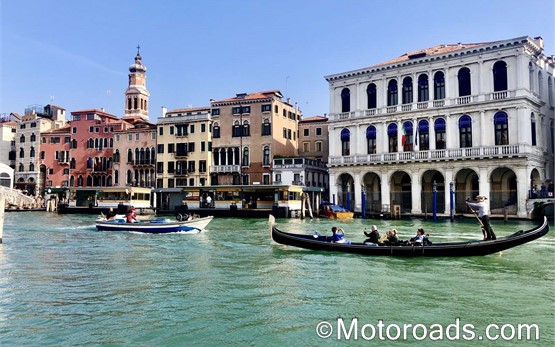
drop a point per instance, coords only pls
(184, 146)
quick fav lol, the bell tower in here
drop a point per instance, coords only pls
(136, 94)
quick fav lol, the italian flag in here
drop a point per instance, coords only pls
(404, 137)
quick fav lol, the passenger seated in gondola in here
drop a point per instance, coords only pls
(421, 238)
(338, 236)
(392, 239)
(373, 236)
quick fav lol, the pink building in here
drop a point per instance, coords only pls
(54, 158)
(92, 144)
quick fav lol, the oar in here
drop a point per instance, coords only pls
(479, 221)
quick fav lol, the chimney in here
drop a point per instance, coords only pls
(538, 40)
(164, 111)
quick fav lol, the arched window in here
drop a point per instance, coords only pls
(111, 142)
(423, 89)
(21, 153)
(439, 86)
(245, 156)
(147, 156)
(129, 177)
(216, 131)
(246, 128)
(501, 123)
(32, 153)
(266, 156)
(72, 181)
(152, 155)
(216, 154)
(439, 129)
(105, 143)
(533, 128)
(89, 163)
(464, 82)
(96, 144)
(31, 167)
(371, 139)
(89, 181)
(80, 181)
(22, 138)
(109, 181)
(116, 156)
(550, 90)
(21, 168)
(392, 93)
(33, 137)
(372, 96)
(236, 131)
(74, 143)
(345, 100)
(129, 155)
(128, 103)
(223, 157)
(116, 177)
(465, 131)
(407, 139)
(392, 137)
(423, 135)
(135, 103)
(137, 156)
(500, 76)
(407, 90)
(72, 163)
(345, 142)
(233, 157)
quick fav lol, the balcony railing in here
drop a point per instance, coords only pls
(424, 105)
(225, 168)
(180, 154)
(440, 154)
(143, 162)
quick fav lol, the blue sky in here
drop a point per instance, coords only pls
(78, 52)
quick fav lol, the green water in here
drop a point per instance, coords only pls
(64, 283)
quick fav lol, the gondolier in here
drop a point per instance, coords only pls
(483, 213)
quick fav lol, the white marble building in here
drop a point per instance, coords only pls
(476, 118)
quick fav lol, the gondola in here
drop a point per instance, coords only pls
(154, 226)
(446, 249)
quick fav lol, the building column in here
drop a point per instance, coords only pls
(483, 129)
(385, 140)
(484, 181)
(332, 140)
(522, 186)
(448, 178)
(416, 192)
(333, 186)
(399, 136)
(357, 193)
(432, 133)
(385, 189)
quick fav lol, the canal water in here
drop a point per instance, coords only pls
(64, 283)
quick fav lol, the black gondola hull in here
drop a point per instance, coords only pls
(448, 249)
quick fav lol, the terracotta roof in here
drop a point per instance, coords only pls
(190, 109)
(16, 115)
(435, 50)
(97, 111)
(254, 96)
(314, 119)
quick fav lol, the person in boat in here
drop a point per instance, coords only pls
(391, 239)
(110, 215)
(131, 215)
(338, 236)
(483, 213)
(419, 238)
(373, 236)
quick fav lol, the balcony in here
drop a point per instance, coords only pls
(143, 162)
(429, 105)
(181, 173)
(506, 151)
(225, 169)
(180, 154)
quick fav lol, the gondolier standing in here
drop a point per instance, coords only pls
(483, 214)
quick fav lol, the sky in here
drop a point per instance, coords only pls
(76, 54)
